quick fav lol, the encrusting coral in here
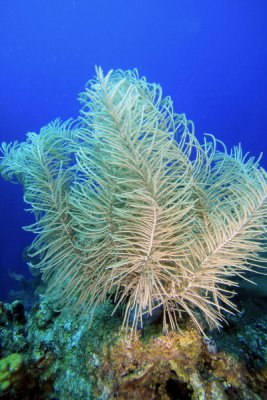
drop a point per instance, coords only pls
(10, 372)
(129, 204)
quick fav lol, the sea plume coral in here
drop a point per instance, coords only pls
(129, 204)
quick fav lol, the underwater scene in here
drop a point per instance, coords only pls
(133, 178)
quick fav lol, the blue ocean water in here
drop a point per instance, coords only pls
(209, 56)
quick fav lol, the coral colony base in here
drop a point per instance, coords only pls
(130, 206)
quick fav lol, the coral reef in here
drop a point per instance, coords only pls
(64, 360)
(136, 219)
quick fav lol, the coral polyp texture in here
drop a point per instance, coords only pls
(129, 205)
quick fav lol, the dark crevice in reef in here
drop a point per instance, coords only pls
(176, 389)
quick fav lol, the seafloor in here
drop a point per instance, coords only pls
(50, 355)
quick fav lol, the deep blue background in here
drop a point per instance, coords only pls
(210, 56)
